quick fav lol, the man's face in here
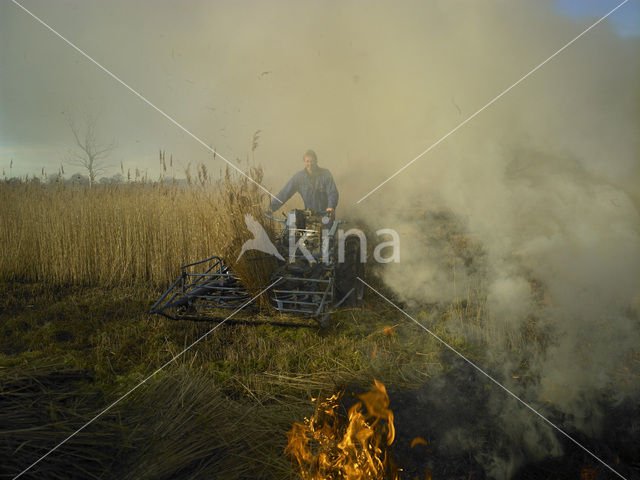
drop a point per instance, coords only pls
(310, 164)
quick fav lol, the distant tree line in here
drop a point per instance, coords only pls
(84, 180)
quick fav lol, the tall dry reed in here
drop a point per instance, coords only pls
(124, 233)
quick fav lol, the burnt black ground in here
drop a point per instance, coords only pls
(455, 414)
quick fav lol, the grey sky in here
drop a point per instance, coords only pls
(357, 81)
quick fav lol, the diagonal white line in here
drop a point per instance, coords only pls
(142, 382)
(490, 377)
(144, 99)
(491, 102)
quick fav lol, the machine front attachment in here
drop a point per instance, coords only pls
(200, 292)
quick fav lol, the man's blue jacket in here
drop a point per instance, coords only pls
(318, 191)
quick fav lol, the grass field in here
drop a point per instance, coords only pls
(79, 270)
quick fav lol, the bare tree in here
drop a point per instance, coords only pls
(89, 154)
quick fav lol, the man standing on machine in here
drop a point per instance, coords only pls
(314, 184)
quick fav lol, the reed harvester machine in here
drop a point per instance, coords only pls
(317, 271)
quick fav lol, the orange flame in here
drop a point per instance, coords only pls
(418, 441)
(328, 446)
(588, 473)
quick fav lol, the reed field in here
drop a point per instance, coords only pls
(122, 233)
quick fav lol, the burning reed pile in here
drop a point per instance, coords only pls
(330, 445)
